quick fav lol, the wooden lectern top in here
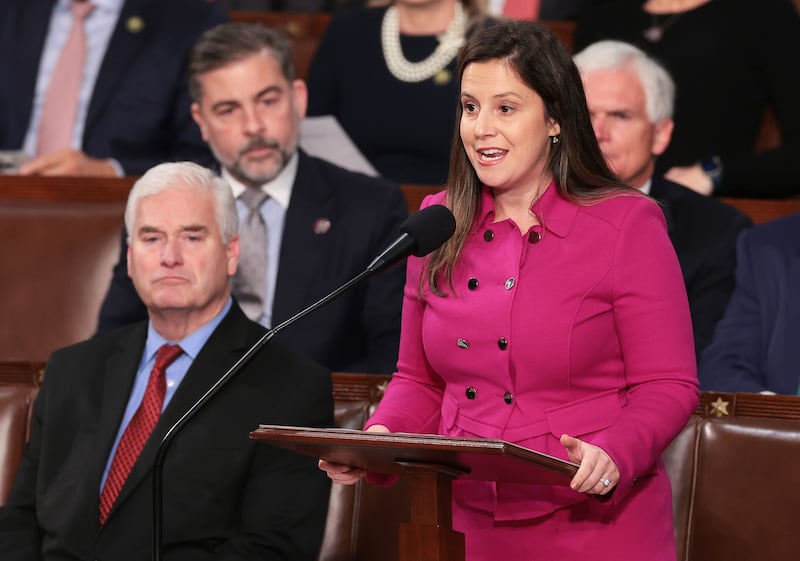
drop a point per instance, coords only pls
(393, 453)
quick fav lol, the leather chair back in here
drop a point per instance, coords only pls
(363, 518)
(57, 258)
(735, 471)
(19, 385)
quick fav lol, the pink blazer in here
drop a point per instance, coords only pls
(581, 326)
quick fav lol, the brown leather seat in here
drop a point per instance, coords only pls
(15, 408)
(361, 523)
(735, 472)
(19, 384)
(55, 267)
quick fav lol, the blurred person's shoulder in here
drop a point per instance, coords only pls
(686, 201)
(783, 233)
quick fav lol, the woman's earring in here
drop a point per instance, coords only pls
(554, 139)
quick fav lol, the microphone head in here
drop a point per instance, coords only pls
(430, 228)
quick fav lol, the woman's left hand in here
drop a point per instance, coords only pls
(598, 474)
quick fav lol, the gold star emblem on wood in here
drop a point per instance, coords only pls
(719, 408)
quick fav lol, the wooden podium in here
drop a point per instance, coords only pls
(432, 462)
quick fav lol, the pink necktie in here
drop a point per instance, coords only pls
(138, 430)
(522, 9)
(61, 98)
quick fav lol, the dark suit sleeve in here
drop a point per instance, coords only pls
(711, 287)
(732, 361)
(284, 502)
(380, 315)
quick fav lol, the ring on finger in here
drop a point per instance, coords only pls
(605, 482)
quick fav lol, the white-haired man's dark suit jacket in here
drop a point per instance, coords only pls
(226, 496)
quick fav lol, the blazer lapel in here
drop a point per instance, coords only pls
(119, 376)
(659, 191)
(125, 43)
(225, 346)
(306, 242)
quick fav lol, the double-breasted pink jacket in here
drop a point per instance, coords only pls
(580, 326)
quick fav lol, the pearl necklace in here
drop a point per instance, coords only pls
(449, 43)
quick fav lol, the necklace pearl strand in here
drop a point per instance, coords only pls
(449, 43)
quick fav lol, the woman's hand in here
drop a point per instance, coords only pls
(347, 475)
(339, 473)
(598, 474)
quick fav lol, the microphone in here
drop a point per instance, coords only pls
(421, 234)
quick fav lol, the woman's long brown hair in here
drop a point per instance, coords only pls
(575, 162)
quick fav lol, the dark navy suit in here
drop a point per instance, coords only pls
(139, 110)
(756, 345)
(358, 332)
(703, 231)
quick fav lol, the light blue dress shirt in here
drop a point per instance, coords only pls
(176, 371)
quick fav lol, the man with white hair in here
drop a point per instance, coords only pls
(630, 99)
(84, 489)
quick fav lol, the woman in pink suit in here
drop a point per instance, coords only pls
(555, 318)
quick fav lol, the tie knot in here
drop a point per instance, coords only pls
(81, 9)
(166, 355)
(253, 198)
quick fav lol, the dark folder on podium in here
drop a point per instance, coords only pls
(394, 453)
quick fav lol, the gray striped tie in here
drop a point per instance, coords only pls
(250, 281)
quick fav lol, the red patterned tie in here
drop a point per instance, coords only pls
(138, 430)
(61, 99)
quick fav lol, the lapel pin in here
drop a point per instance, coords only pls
(134, 24)
(443, 77)
(322, 225)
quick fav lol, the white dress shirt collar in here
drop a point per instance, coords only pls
(279, 189)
